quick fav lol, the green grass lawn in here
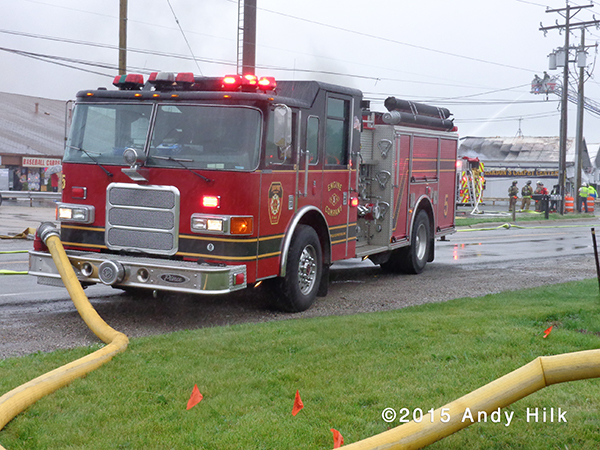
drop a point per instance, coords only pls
(348, 369)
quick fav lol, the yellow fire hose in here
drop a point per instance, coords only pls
(17, 400)
(541, 372)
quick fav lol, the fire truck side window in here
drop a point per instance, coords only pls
(312, 139)
(336, 143)
(274, 155)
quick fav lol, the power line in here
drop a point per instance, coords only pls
(314, 22)
(48, 59)
(62, 61)
(532, 3)
(507, 118)
(184, 36)
(420, 47)
(223, 62)
(114, 47)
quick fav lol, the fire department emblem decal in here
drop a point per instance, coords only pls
(275, 199)
(334, 208)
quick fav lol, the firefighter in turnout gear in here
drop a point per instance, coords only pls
(526, 194)
(513, 192)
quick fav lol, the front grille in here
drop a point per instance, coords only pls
(142, 218)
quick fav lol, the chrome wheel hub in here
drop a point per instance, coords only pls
(307, 269)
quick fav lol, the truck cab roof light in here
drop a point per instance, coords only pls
(185, 78)
(186, 81)
(267, 83)
(161, 77)
(248, 83)
(162, 80)
(250, 80)
(129, 82)
(232, 82)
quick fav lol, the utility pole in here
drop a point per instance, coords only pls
(580, 101)
(568, 13)
(246, 62)
(123, 37)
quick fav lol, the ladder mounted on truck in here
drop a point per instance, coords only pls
(470, 183)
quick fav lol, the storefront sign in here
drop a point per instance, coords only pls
(520, 172)
(40, 162)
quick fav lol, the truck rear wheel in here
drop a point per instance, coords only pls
(298, 289)
(412, 259)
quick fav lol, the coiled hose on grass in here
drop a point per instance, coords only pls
(17, 400)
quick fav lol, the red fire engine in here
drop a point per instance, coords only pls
(207, 186)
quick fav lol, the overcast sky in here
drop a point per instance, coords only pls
(475, 57)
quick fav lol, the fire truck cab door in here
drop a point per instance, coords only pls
(277, 193)
(310, 168)
(325, 175)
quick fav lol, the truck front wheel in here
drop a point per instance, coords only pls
(298, 288)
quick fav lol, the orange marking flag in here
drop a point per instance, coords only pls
(195, 398)
(298, 405)
(547, 332)
(338, 439)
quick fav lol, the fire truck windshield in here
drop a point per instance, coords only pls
(204, 136)
(100, 133)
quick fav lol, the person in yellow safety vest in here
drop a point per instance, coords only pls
(526, 194)
(513, 191)
(584, 193)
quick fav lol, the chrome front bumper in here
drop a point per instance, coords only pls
(139, 272)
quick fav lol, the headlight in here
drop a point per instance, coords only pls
(207, 224)
(202, 223)
(75, 213)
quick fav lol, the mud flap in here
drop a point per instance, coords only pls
(324, 285)
(431, 256)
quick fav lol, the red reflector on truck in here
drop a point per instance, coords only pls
(79, 192)
(239, 279)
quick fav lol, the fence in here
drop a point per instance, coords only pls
(31, 195)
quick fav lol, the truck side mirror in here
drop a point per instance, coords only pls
(282, 129)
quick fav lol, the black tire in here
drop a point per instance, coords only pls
(412, 259)
(298, 289)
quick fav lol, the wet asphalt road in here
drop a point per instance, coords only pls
(471, 263)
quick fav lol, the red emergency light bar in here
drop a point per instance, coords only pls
(248, 83)
(186, 81)
(185, 77)
(161, 77)
(129, 82)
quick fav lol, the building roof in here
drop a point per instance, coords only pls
(594, 152)
(516, 150)
(31, 126)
